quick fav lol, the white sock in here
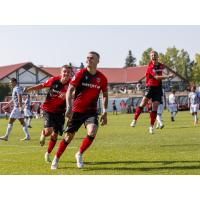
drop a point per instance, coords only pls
(28, 121)
(174, 114)
(159, 118)
(25, 129)
(9, 129)
(195, 118)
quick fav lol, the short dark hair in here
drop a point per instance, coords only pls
(66, 66)
(95, 53)
(13, 80)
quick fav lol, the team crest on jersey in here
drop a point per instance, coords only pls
(98, 80)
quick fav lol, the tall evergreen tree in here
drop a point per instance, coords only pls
(81, 66)
(130, 60)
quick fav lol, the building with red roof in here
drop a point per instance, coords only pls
(29, 74)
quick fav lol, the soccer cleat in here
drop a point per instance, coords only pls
(42, 139)
(5, 138)
(26, 138)
(133, 123)
(162, 126)
(47, 157)
(29, 126)
(54, 164)
(79, 160)
(151, 130)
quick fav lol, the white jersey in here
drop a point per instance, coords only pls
(172, 106)
(194, 97)
(16, 91)
(172, 99)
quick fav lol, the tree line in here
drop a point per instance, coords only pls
(176, 59)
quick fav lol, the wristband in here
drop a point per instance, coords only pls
(105, 110)
(68, 109)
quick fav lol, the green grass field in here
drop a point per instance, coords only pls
(118, 149)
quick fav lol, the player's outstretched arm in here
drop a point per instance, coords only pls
(33, 88)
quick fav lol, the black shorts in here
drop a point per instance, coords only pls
(114, 108)
(55, 120)
(154, 93)
(79, 118)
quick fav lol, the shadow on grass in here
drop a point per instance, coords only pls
(179, 145)
(132, 165)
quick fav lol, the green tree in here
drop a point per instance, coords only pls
(81, 66)
(145, 57)
(130, 60)
(178, 60)
(196, 69)
(4, 91)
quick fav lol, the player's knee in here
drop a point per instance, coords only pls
(69, 137)
(54, 136)
(93, 131)
(48, 132)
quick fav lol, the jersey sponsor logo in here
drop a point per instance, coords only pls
(91, 85)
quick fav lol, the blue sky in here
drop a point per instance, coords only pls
(56, 45)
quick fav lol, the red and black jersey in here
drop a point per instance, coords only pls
(153, 70)
(54, 102)
(88, 88)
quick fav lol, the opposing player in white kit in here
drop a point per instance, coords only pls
(160, 111)
(172, 105)
(193, 102)
(17, 112)
(27, 111)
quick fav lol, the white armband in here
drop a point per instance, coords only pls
(105, 110)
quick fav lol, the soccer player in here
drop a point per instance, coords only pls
(172, 105)
(114, 107)
(27, 111)
(54, 107)
(87, 84)
(17, 112)
(193, 102)
(154, 77)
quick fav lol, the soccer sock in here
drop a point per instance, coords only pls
(87, 141)
(159, 118)
(25, 129)
(28, 121)
(62, 146)
(153, 115)
(195, 117)
(138, 112)
(9, 129)
(51, 145)
(25, 121)
(174, 114)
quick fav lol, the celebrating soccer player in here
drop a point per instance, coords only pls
(54, 107)
(154, 77)
(87, 84)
